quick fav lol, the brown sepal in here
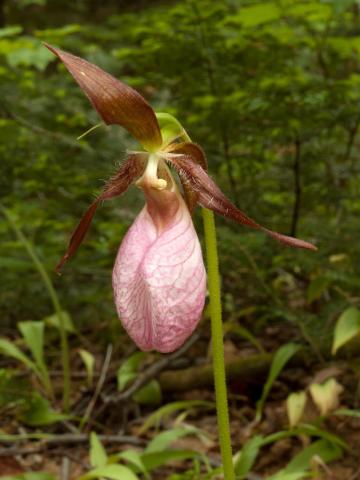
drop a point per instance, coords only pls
(131, 169)
(211, 197)
(116, 102)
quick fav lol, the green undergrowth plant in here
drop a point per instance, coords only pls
(34, 334)
(132, 464)
(31, 406)
(323, 445)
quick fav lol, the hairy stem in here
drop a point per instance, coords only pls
(54, 299)
(217, 343)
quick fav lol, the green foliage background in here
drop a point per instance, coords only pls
(270, 89)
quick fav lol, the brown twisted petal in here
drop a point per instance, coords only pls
(116, 102)
(211, 197)
(198, 155)
(129, 171)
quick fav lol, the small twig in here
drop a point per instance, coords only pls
(150, 373)
(65, 469)
(99, 387)
(64, 439)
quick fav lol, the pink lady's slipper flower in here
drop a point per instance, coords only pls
(159, 278)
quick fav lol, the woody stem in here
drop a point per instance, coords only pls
(218, 344)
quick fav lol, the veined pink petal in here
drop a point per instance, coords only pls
(159, 277)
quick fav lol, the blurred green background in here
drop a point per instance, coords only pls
(269, 89)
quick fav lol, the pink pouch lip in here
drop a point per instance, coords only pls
(159, 277)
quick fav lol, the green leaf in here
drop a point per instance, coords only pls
(347, 412)
(326, 450)
(10, 31)
(30, 55)
(245, 333)
(282, 475)
(149, 394)
(33, 333)
(163, 412)
(55, 34)
(154, 460)
(247, 456)
(30, 476)
(280, 359)
(113, 472)
(15, 391)
(11, 350)
(129, 369)
(53, 321)
(316, 288)
(165, 439)
(347, 327)
(98, 456)
(89, 362)
(39, 412)
(132, 457)
(255, 15)
(314, 431)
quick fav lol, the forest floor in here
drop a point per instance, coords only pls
(68, 460)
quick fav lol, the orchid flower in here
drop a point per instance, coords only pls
(159, 277)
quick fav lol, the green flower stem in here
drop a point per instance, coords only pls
(54, 299)
(217, 343)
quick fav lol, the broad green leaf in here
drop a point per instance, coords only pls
(247, 456)
(39, 412)
(89, 362)
(11, 350)
(164, 412)
(149, 394)
(157, 459)
(282, 356)
(10, 31)
(33, 333)
(165, 439)
(129, 369)
(130, 456)
(347, 327)
(112, 472)
(255, 15)
(98, 456)
(326, 450)
(15, 391)
(32, 54)
(295, 405)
